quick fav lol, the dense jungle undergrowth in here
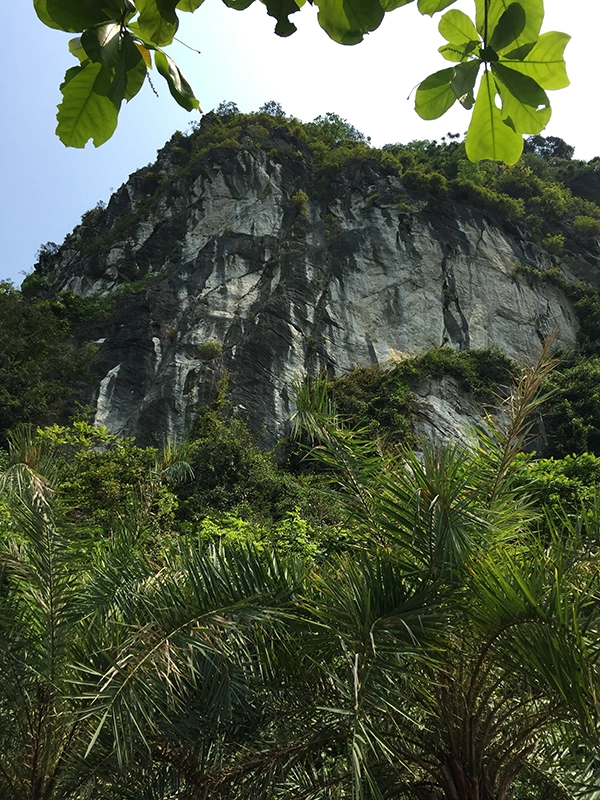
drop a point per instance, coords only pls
(341, 618)
(199, 622)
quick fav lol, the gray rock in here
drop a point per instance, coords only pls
(355, 280)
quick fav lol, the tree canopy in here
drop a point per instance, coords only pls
(502, 65)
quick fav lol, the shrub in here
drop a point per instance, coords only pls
(210, 350)
(554, 244)
(300, 200)
(586, 226)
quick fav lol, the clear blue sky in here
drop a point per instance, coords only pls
(47, 187)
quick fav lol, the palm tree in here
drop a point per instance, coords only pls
(464, 642)
(449, 654)
(102, 647)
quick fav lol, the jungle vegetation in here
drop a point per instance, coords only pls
(429, 633)
(350, 620)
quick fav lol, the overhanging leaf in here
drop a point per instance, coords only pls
(145, 53)
(510, 26)
(456, 52)
(130, 72)
(488, 136)
(280, 10)
(347, 21)
(463, 82)
(431, 7)
(391, 5)
(457, 27)
(238, 5)
(534, 16)
(178, 86)
(522, 87)
(435, 96)
(519, 53)
(546, 63)
(76, 49)
(157, 22)
(524, 118)
(86, 112)
(101, 43)
(189, 5)
(74, 16)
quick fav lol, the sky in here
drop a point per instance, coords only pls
(47, 187)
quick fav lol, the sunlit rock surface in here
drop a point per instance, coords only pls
(234, 254)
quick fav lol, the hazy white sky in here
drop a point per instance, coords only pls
(47, 187)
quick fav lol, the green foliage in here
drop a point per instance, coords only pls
(549, 147)
(573, 414)
(208, 351)
(333, 131)
(38, 363)
(103, 477)
(300, 200)
(554, 244)
(566, 484)
(119, 42)
(234, 476)
(586, 226)
(291, 536)
(382, 400)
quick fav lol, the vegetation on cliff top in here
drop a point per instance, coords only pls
(551, 196)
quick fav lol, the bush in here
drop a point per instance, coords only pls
(210, 350)
(38, 364)
(104, 477)
(383, 398)
(231, 474)
(586, 226)
(554, 244)
(562, 484)
(300, 200)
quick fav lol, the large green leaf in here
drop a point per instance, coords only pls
(457, 28)
(510, 26)
(189, 5)
(546, 62)
(75, 15)
(435, 96)
(431, 7)
(135, 67)
(157, 22)
(238, 5)
(86, 112)
(457, 52)
(523, 117)
(534, 15)
(522, 87)
(391, 5)
(524, 102)
(178, 86)
(129, 74)
(101, 43)
(347, 21)
(488, 136)
(280, 10)
(76, 49)
(463, 82)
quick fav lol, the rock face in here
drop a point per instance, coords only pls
(239, 250)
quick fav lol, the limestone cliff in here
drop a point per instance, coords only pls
(237, 247)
